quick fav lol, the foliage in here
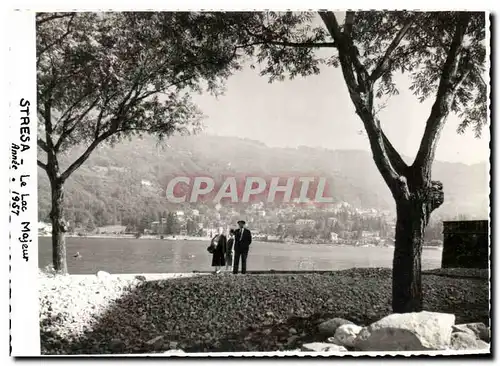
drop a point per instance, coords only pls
(107, 76)
(172, 226)
(112, 75)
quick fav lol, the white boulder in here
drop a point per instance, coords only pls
(322, 347)
(346, 334)
(466, 341)
(407, 332)
(479, 330)
(103, 275)
(173, 352)
(329, 327)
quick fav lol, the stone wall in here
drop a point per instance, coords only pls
(465, 244)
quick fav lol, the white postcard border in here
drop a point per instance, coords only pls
(24, 303)
(24, 300)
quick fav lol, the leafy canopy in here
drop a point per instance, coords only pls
(287, 44)
(105, 76)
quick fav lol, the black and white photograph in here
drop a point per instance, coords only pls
(217, 183)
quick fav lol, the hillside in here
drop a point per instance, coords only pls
(108, 186)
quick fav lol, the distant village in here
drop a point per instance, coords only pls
(339, 223)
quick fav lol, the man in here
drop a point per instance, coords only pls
(242, 241)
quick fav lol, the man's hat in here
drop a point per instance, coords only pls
(241, 221)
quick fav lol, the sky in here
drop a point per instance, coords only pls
(316, 111)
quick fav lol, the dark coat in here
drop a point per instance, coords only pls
(229, 251)
(242, 243)
(219, 254)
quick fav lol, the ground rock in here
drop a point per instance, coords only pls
(333, 340)
(329, 327)
(322, 347)
(174, 352)
(156, 342)
(346, 334)
(116, 345)
(482, 344)
(140, 278)
(407, 332)
(466, 341)
(479, 330)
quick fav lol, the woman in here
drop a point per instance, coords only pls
(218, 249)
(229, 249)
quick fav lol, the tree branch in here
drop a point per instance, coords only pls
(41, 20)
(68, 31)
(78, 162)
(47, 116)
(349, 51)
(303, 44)
(333, 28)
(270, 40)
(64, 116)
(349, 22)
(462, 79)
(444, 99)
(67, 131)
(42, 145)
(383, 64)
(360, 93)
(41, 165)
(397, 162)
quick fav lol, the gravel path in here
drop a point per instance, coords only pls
(229, 313)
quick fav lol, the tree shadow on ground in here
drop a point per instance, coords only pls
(228, 314)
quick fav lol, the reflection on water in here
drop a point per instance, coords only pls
(159, 256)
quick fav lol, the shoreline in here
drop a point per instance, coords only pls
(446, 272)
(197, 238)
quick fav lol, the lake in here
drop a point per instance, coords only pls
(161, 256)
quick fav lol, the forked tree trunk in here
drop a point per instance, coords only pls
(58, 227)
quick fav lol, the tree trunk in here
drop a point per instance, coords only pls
(406, 268)
(59, 227)
(413, 213)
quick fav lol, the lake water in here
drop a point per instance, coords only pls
(161, 256)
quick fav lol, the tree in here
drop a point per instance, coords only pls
(280, 230)
(102, 77)
(144, 223)
(191, 227)
(444, 54)
(171, 227)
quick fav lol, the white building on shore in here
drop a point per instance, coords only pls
(44, 228)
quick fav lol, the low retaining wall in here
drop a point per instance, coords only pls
(465, 244)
